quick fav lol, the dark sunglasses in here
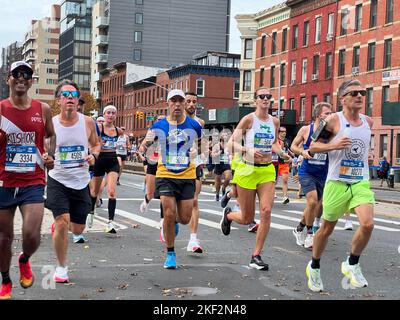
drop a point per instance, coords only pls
(354, 93)
(66, 94)
(282, 131)
(25, 74)
(263, 96)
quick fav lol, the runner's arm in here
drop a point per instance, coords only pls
(49, 129)
(297, 144)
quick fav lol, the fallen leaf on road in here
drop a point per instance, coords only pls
(324, 293)
(237, 296)
(69, 284)
(135, 226)
(123, 286)
(84, 296)
(86, 247)
(100, 290)
(134, 274)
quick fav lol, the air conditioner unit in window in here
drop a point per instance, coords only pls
(314, 77)
(329, 37)
(292, 82)
(397, 160)
(355, 70)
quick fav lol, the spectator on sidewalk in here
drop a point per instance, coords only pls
(383, 171)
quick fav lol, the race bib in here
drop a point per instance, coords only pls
(224, 158)
(72, 156)
(351, 170)
(121, 150)
(319, 159)
(263, 142)
(21, 159)
(109, 143)
(177, 162)
(274, 157)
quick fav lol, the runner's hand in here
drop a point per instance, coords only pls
(90, 159)
(306, 154)
(343, 143)
(48, 161)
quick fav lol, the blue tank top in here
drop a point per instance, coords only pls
(109, 143)
(318, 165)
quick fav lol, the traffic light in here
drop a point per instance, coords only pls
(141, 116)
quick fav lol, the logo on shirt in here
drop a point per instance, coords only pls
(177, 136)
(37, 118)
(265, 127)
(356, 151)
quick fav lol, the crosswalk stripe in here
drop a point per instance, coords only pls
(105, 221)
(137, 218)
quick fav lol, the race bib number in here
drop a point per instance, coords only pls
(351, 170)
(72, 156)
(319, 159)
(275, 157)
(224, 158)
(109, 143)
(177, 163)
(121, 150)
(20, 159)
(263, 142)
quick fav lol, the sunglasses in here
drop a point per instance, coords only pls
(354, 93)
(263, 96)
(282, 131)
(25, 74)
(66, 94)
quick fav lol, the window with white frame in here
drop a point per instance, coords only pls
(200, 87)
(318, 23)
(304, 71)
(293, 72)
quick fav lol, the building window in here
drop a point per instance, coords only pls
(389, 11)
(318, 23)
(247, 80)
(272, 77)
(356, 56)
(327, 97)
(261, 77)
(263, 43)
(358, 18)
(295, 36)
(283, 70)
(306, 34)
(137, 55)
(369, 101)
(200, 83)
(139, 1)
(273, 44)
(331, 21)
(328, 65)
(284, 39)
(373, 13)
(342, 62)
(304, 71)
(398, 146)
(139, 18)
(236, 89)
(302, 108)
(385, 94)
(248, 53)
(293, 73)
(387, 61)
(371, 56)
(383, 146)
(372, 143)
(343, 22)
(315, 65)
(291, 104)
(138, 36)
(314, 101)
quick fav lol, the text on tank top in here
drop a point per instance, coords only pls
(261, 136)
(109, 143)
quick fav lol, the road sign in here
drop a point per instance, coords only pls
(149, 118)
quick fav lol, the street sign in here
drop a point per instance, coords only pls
(149, 118)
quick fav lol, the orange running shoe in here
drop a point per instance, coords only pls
(26, 276)
(5, 291)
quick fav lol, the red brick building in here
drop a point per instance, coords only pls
(311, 55)
(367, 38)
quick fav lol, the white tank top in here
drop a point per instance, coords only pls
(122, 146)
(351, 165)
(261, 136)
(70, 169)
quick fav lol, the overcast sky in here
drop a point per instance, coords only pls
(16, 16)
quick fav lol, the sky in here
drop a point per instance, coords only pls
(16, 16)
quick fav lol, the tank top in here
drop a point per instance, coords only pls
(351, 165)
(109, 143)
(121, 146)
(261, 136)
(70, 168)
(318, 165)
(21, 144)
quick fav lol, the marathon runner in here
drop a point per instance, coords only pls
(123, 145)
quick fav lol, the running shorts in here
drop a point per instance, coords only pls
(221, 168)
(181, 189)
(106, 163)
(14, 197)
(151, 169)
(283, 169)
(310, 183)
(249, 177)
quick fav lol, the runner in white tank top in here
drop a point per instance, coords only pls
(347, 188)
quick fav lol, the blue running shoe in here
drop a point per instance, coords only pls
(170, 262)
(315, 229)
(78, 238)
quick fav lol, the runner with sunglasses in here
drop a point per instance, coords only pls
(347, 188)
(255, 175)
(24, 124)
(108, 164)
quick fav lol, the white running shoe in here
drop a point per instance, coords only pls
(348, 225)
(353, 272)
(110, 228)
(314, 279)
(194, 246)
(285, 200)
(143, 207)
(61, 275)
(89, 220)
(308, 242)
(300, 237)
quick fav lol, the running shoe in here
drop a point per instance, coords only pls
(348, 225)
(194, 246)
(89, 219)
(225, 199)
(162, 238)
(299, 235)
(143, 207)
(118, 183)
(26, 276)
(5, 291)
(308, 242)
(225, 223)
(314, 279)
(61, 275)
(253, 227)
(285, 200)
(315, 229)
(99, 203)
(78, 238)
(170, 261)
(353, 272)
(217, 197)
(110, 228)
(257, 263)
(223, 191)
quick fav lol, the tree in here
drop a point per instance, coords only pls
(90, 103)
(55, 108)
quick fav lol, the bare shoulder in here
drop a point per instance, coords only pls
(276, 121)
(45, 107)
(246, 121)
(89, 121)
(370, 121)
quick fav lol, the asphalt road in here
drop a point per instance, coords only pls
(129, 265)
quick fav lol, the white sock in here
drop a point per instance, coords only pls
(316, 222)
(193, 236)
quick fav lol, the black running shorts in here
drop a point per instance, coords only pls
(106, 163)
(181, 189)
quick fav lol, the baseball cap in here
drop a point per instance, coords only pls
(17, 64)
(176, 92)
